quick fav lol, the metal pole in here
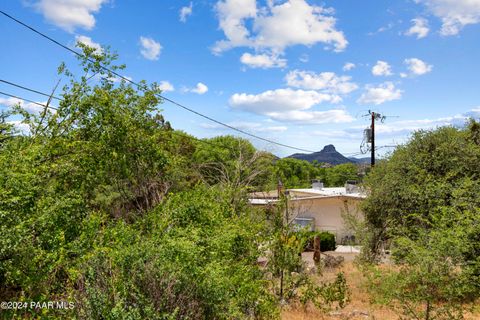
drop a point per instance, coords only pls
(372, 160)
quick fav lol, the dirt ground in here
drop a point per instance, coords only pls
(359, 306)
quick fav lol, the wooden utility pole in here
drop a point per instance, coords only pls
(316, 249)
(372, 159)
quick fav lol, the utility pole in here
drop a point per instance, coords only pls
(369, 135)
(372, 157)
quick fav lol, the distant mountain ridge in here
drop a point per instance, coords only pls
(327, 155)
(360, 160)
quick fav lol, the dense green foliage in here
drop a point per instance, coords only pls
(103, 204)
(337, 176)
(327, 240)
(425, 202)
(291, 284)
(295, 173)
(191, 257)
(92, 211)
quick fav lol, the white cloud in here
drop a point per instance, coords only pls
(150, 48)
(166, 86)
(324, 81)
(263, 61)
(279, 100)
(290, 106)
(417, 66)
(199, 89)
(455, 14)
(277, 26)
(185, 12)
(338, 134)
(89, 42)
(27, 106)
(248, 126)
(70, 14)
(408, 126)
(382, 29)
(35, 108)
(380, 94)
(419, 28)
(313, 117)
(304, 58)
(10, 102)
(382, 68)
(20, 126)
(402, 129)
(348, 66)
(232, 15)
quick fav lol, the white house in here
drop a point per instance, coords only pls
(319, 208)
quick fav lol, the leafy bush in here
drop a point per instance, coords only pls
(425, 202)
(327, 240)
(99, 206)
(333, 294)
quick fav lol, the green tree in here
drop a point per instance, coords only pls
(424, 201)
(191, 257)
(291, 281)
(233, 161)
(295, 173)
(6, 129)
(337, 176)
(100, 205)
(106, 149)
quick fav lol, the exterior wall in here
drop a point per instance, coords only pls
(327, 213)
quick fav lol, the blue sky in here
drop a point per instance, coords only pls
(300, 72)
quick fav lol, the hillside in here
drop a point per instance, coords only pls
(328, 155)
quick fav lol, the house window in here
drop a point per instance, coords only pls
(304, 223)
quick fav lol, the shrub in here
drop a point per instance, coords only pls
(327, 240)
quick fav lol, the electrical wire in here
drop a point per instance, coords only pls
(173, 131)
(31, 101)
(29, 89)
(144, 88)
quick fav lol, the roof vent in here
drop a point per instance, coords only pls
(351, 186)
(317, 185)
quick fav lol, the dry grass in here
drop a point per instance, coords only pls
(359, 307)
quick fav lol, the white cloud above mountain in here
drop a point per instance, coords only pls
(248, 126)
(290, 105)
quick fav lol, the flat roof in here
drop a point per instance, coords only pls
(259, 198)
(329, 192)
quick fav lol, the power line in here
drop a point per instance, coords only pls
(143, 88)
(29, 89)
(173, 131)
(31, 101)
